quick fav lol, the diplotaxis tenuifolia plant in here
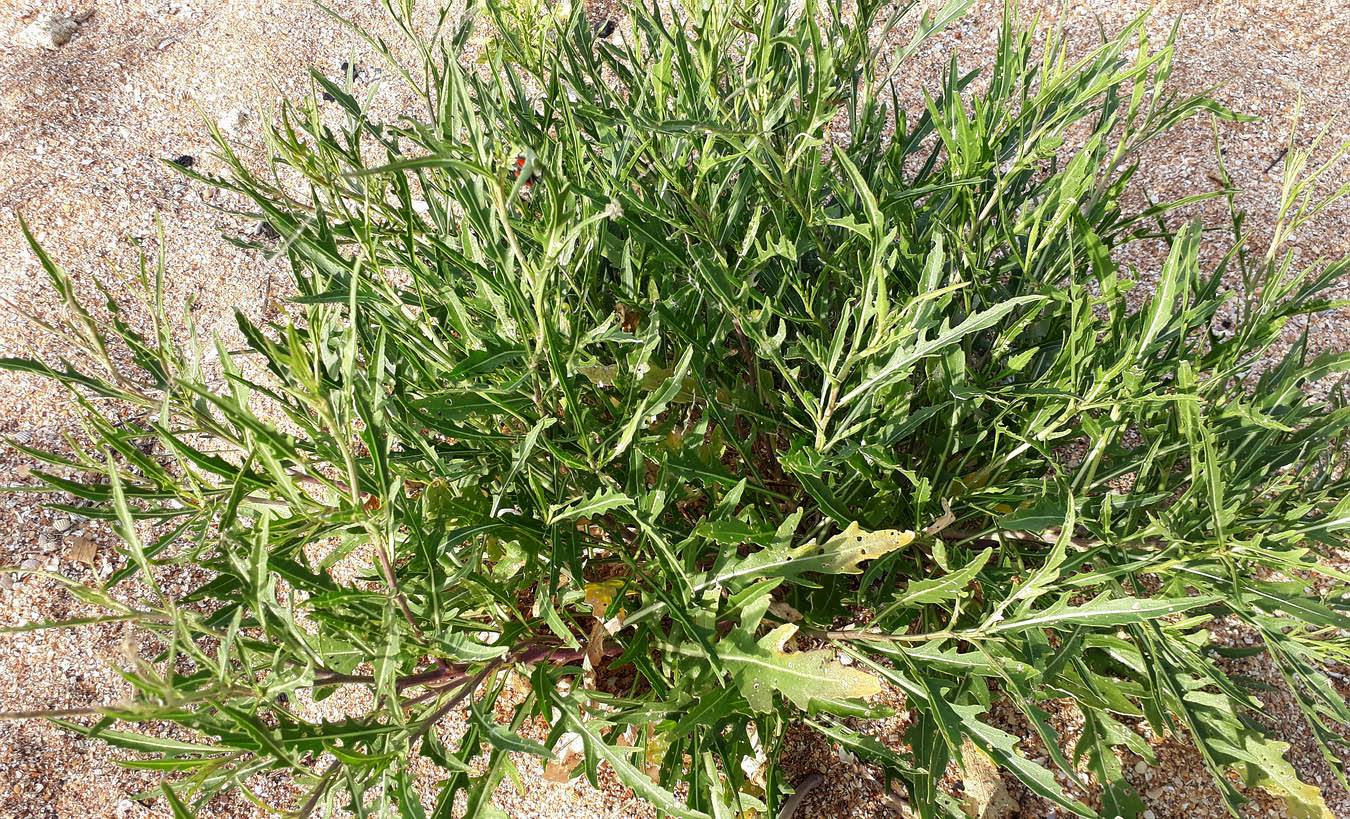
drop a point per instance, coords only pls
(686, 377)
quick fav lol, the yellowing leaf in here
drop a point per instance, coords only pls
(763, 667)
(1270, 770)
(601, 375)
(658, 742)
(83, 549)
(842, 553)
(600, 595)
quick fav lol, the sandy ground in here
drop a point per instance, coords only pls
(82, 133)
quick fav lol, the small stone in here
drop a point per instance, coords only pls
(1141, 767)
(1149, 814)
(604, 29)
(234, 120)
(49, 31)
(30, 565)
(185, 161)
(264, 230)
(7, 581)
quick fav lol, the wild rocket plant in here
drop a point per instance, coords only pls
(689, 376)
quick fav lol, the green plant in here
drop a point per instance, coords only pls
(636, 360)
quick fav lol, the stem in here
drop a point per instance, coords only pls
(319, 790)
(873, 637)
(456, 700)
(449, 674)
(56, 712)
(388, 568)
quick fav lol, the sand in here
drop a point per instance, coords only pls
(83, 130)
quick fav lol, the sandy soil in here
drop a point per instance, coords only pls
(82, 133)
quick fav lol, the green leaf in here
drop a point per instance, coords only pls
(598, 504)
(503, 739)
(947, 587)
(1102, 611)
(595, 744)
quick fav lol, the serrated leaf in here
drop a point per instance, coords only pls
(502, 738)
(629, 775)
(762, 667)
(947, 587)
(800, 676)
(1103, 611)
(1266, 767)
(840, 554)
(598, 504)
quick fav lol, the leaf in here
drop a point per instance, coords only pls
(1103, 611)
(947, 587)
(180, 811)
(1227, 738)
(1100, 733)
(523, 451)
(142, 743)
(598, 504)
(1176, 271)
(841, 554)
(653, 404)
(986, 797)
(463, 647)
(1266, 767)
(502, 738)
(83, 549)
(600, 594)
(906, 356)
(761, 667)
(629, 775)
(1001, 745)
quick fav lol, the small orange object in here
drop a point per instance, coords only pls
(519, 165)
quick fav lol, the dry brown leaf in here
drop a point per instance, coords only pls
(83, 549)
(561, 769)
(986, 795)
